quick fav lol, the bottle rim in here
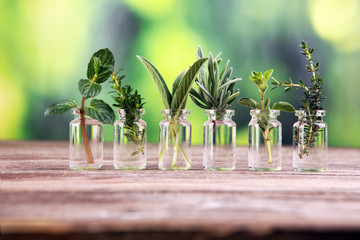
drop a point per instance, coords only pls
(174, 111)
(315, 113)
(257, 112)
(127, 111)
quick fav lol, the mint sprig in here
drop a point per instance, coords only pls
(100, 68)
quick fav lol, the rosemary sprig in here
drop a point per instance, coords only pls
(216, 88)
(127, 100)
(312, 98)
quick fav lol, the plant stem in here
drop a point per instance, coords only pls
(171, 132)
(90, 158)
(266, 135)
(307, 145)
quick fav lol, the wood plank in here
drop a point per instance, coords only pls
(39, 194)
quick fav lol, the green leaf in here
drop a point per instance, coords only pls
(97, 65)
(212, 79)
(159, 81)
(130, 137)
(263, 87)
(88, 89)
(248, 102)
(224, 69)
(177, 80)
(100, 111)
(200, 53)
(206, 94)
(135, 153)
(197, 102)
(267, 102)
(183, 89)
(229, 82)
(60, 107)
(105, 69)
(255, 80)
(267, 75)
(283, 106)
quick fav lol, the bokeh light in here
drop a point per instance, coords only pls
(45, 47)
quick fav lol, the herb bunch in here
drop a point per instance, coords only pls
(312, 100)
(126, 99)
(261, 79)
(100, 68)
(176, 100)
(216, 88)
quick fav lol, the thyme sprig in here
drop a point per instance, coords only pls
(312, 100)
(126, 99)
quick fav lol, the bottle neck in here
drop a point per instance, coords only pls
(304, 115)
(224, 114)
(76, 113)
(170, 114)
(133, 114)
(268, 113)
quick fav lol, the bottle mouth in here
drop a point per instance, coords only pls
(174, 112)
(130, 111)
(259, 112)
(220, 113)
(313, 113)
(75, 111)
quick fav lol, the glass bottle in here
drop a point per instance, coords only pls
(310, 141)
(86, 156)
(219, 141)
(265, 141)
(130, 140)
(175, 140)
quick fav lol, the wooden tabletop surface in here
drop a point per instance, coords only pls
(40, 195)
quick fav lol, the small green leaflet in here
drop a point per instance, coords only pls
(88, 89)
(249, 102)
(100, 111)
(283, 106)
(102, 69)
(60, 107)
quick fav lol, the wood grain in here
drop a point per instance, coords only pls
(40, 195)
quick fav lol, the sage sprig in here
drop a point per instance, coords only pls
(176, 100)
(126, 99)
(216, 88)
(100, 68)
(312, 100)
(261, 81)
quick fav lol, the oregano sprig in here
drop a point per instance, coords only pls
(100, 68)
(261, 81)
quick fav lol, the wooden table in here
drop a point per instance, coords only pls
(42, 199)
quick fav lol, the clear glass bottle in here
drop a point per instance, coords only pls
(175, 140)
(310, 142)
(130, 140)
(265, 141)
(219, 141)
(86, 156)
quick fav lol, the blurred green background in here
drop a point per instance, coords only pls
(45, 46)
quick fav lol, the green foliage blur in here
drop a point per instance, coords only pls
(45, 46)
